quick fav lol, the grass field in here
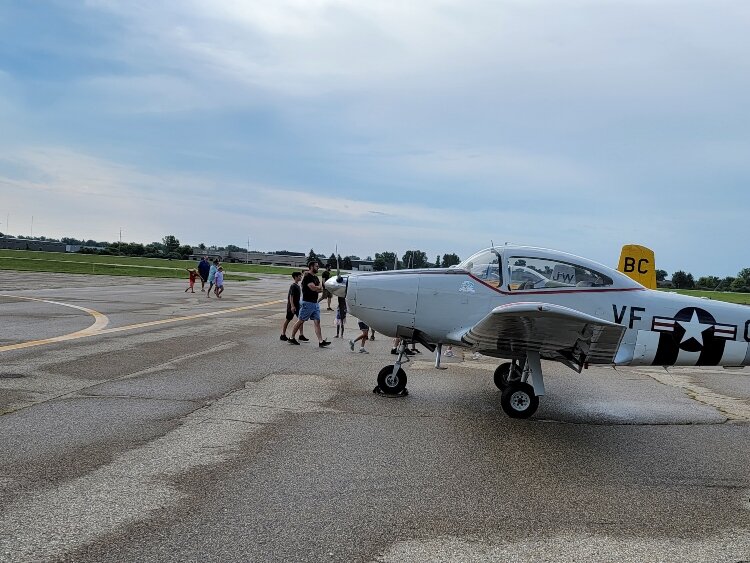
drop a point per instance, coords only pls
(30, 261)
(132, 261)
(742, 298)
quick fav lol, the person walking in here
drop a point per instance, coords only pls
(292, 306)
(203, 268)
(341, 316)
(219, 282)
(326, 294)
(193, 273)
(362, 337)
(211, 275)
(309, 308)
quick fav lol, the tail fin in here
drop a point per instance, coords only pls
(638, 262)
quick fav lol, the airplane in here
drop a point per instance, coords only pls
(527, 304)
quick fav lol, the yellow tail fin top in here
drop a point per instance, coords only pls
(637, 262)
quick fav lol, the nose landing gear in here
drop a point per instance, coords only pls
(392, 378)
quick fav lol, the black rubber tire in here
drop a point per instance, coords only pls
(519, 401)
(390, 384)
(502, 376)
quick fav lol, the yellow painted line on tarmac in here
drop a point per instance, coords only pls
(101, 321)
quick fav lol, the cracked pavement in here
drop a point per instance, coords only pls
(207, 439)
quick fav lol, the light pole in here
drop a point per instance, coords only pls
(247, 251)
(119, 246)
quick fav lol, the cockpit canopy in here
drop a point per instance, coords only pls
(525, 268)
(484, 265)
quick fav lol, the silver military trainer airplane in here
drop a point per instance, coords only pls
(526, 304)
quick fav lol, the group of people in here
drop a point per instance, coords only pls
(208, 272)
(303, 301)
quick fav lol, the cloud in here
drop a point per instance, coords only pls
(443, 125)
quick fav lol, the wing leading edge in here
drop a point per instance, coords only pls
(556, 332)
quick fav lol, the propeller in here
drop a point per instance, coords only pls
(338, 266)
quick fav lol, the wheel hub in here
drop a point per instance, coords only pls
(520, 401)
(391, 380)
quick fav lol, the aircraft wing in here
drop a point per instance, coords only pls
(556, 332)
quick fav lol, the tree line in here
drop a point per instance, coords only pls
(388, 260)
(684, 280)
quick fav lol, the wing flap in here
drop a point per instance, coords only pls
(556, 332)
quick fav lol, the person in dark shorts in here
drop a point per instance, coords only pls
(309, 308)
(341, 317)
(363, 337)
(203, 269)
(326, 294)
(292, 306)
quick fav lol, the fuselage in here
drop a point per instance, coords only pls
(443, 304)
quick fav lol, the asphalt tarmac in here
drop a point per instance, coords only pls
(142, 423)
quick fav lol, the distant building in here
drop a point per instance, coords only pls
(362, 265)
(11, 243)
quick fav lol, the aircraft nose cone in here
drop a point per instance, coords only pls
(337, 286)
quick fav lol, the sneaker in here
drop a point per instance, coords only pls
(303, 338)
(283, 337)
(372, 337)
(416, 351)
(408, 352)
(363, 351)
(293, 341)
(394, 351)
(324, 344)
(449, 353)
(351, 345)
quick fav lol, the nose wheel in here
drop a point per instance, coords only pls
(391, 381)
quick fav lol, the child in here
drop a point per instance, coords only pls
(212, 276)
(341, 317)
(292, 306)
(363, 337)
(219, 282)
(193, 276)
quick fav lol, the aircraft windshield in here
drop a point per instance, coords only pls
(484, 265)
(538, 273)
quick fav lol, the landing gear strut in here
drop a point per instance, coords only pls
(521, 386)
(392, 379)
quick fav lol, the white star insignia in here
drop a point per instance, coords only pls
(694, 329)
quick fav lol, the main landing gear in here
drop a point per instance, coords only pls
(392, 379)
(522, 383)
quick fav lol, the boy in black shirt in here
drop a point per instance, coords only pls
(309, 308)
(292, 306)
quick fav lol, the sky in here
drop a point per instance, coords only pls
(442, 126)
